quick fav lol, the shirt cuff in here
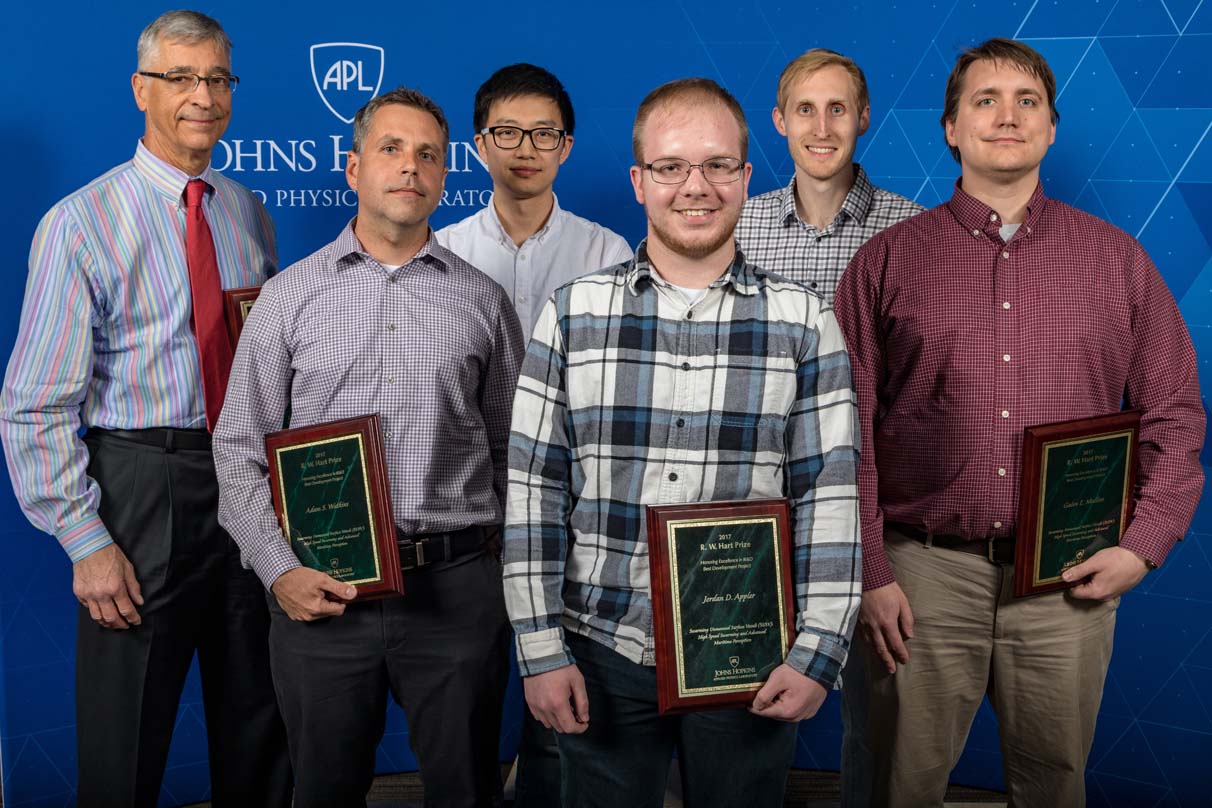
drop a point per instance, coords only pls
(543, 651)
(85, 538)
(273, 559)
(876, 570)
(1146, 541)
(819, 657)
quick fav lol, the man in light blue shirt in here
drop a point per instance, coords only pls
(526, 242)
(523, 239)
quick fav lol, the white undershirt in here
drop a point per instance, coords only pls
(692, 295)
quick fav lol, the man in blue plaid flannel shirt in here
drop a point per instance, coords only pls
(684, 375)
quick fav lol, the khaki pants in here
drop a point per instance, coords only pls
(1041, 660)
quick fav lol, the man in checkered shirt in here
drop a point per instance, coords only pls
(998, 310)
(385, 320)
(686, 374)
(809, 230)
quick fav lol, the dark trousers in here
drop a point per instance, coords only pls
(727, 758)
(537, 784)
(440, 650)
(159, 506)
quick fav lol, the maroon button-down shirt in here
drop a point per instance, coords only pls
(959, 340)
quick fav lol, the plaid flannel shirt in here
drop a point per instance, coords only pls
(630, 397)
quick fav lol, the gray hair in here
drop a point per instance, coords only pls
(190, 27)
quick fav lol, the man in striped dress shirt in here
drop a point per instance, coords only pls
(107, 342)
(686, 374)
(998, 310)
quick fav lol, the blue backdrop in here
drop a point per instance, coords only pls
(1132, 147)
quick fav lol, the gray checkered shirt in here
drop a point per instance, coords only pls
(776, 239)
(433, 347)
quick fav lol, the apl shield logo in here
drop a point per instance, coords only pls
(347, 75)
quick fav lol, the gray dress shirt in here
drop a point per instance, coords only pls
(433, 347)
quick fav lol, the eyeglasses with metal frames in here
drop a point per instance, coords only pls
(675, 171)
(543, 138)
(184, 82)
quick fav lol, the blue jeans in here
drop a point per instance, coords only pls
(726, 757)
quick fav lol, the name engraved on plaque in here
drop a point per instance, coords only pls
(328, 515)
(727, 629)
(1085, 494)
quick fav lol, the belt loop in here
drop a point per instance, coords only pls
(929, 542)
(168, 441)
(446, 546)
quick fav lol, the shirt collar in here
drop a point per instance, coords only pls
(347, 250)
(856, 204)
(550, 228)
(165, 178)
(742, 276)
(975, 216)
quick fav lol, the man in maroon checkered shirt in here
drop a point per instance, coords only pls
(995, 311)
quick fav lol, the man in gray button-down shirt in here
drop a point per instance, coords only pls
(385, 320)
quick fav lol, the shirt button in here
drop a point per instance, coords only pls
(997, 525)
(685, 366)
(391, 326)
(681, 422)
(673, 477)
(1006, 305)
(391, 379)
(690, 315)
(1005, 413)
(1005, 253)
(993, 217)
(1005, 357)
(976, 233)
(391, 278)
(1001, 472)
(523, 258)
(388, 434)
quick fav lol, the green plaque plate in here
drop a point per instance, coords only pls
(1076, 495)
(722, 602)
(330, 491)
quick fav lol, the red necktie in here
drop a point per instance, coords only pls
(210, 329)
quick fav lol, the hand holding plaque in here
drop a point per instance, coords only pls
(331, 494)
(1075, 498)
(721, 600)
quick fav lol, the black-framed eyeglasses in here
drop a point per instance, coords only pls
(544, 138)
(675, 171)
(184, 82)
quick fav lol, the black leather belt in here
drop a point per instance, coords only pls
(999, 551)
(166, 438)
(428, 548)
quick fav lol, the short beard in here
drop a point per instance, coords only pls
(698, 249)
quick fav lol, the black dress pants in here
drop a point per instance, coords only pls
(160, 508)
(440, 650)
